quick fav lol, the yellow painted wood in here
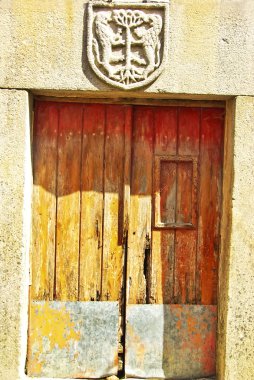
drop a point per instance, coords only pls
(112, 280)
(92, 203)
(140, 205)
(68, 202)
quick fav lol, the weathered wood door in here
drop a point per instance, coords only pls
(125, 247)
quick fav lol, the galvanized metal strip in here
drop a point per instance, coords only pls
(73, 339)
(170, 341)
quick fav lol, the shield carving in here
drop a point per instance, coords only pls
(127, 41)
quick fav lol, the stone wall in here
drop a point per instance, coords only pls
(210, 47)
(211, 56)
(15, 189)
(239, 344)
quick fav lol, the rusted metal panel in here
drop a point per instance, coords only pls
(73, 339)
(170, 341)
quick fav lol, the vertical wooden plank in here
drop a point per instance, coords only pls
(140, 205)
(163, 241)
(68, 201)
(184, 196)
(113, 204)
(44, 200)
(127, 167)
(92, 202)
(186, 240)
(126, 219)
(210, 203)
(127, 192)
(167, 191)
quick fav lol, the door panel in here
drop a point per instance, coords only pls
(179, 218)
(170, 341)
(179, 265)
(73, 339)
(79, 164)
(77, 244)
(126, 209)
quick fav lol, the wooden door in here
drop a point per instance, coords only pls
(126, 214)
(78, 249)
(173, 242)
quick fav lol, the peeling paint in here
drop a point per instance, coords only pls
(170, 341)
(73, 339)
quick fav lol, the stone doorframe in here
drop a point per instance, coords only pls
(235, 351)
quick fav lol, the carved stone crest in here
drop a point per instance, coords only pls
(127, 41)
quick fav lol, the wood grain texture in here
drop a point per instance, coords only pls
(109, 98)
(140, 206)
(186, 240)
(175, 188)
(167, 173)
(126, 197)
(184, 193)
(209, 204)
(111, 158)
(127, 168)
(91, 231)
(163, 241)
(44, 200)
(113, 204)
(68, 202)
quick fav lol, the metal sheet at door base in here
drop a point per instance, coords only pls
(73, 339)
(170, 341)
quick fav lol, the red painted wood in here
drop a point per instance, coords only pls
(211, 157)
(184, 192)
(163, 241)
(142, 150)
(44, 200)
(186, 240)
(168, 170)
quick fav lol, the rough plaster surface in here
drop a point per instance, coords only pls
(211, 47)
(239, 354)
(14, 229)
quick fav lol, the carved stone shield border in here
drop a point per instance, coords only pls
(127, 41)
